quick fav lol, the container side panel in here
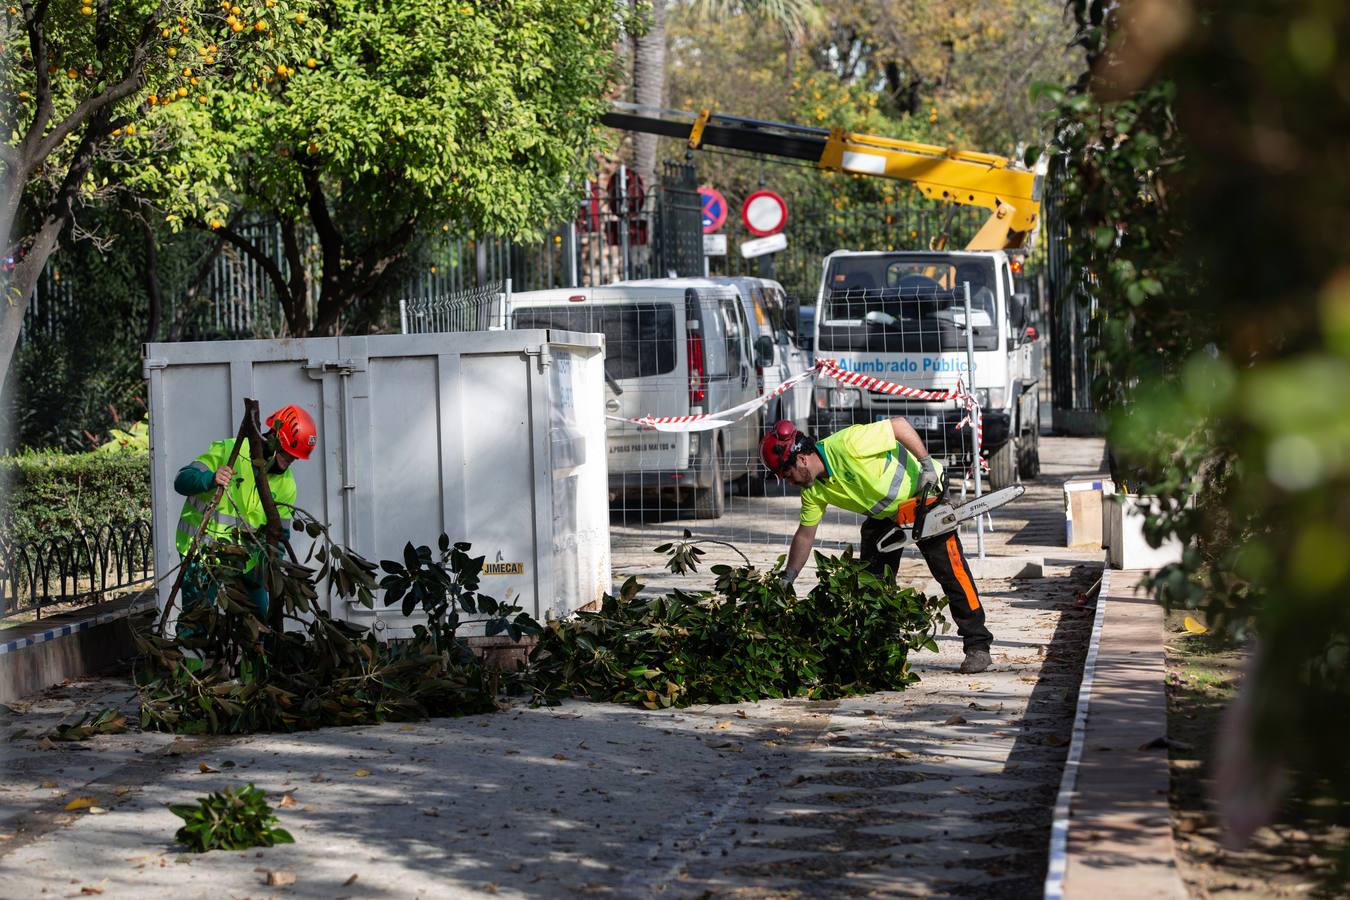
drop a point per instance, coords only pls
(196, 411)
(405, 480)
(580, 529)
(500, 503)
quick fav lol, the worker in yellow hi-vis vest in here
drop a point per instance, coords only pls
(291, 435)
(874, 470)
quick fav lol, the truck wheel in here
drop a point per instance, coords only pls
(1029, 456)
(711, 502)
(753, 483)
(1029, 447)
(1001, 470)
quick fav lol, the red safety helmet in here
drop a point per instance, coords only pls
(295, 430)
(780, 447)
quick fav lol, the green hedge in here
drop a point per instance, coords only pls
(44, 494)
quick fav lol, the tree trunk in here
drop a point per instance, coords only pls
(649, 86)
(151, 278)
(23, 280)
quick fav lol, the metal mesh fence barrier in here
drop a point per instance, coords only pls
(685, 347)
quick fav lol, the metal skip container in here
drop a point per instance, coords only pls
(496, 438)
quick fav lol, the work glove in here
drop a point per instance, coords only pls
(928, 476)
(786, 577)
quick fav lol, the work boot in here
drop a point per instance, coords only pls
(975, 661)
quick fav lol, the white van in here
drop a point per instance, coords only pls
(767, 307)
(670, 350)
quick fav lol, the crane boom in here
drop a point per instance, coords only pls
(1009, 191)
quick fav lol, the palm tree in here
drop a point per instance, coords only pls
(649, 53)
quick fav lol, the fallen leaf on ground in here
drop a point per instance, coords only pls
(361, 773)
(121, 790)
(46, 744)
(351, 881)
(560, 756)
(725, 723)
(1054, 740)
(288, 800)
(742, 714)
(96, 810)
(1193, 626)
(729, 746)
(91, 889)
(280, 878)
(206, 770)
(48, 784)
(955, 719)
(80, 803)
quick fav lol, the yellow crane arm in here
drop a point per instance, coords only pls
(1009, 191)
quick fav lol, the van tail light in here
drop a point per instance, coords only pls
(698, 389)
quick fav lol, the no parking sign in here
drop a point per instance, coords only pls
(714, 209)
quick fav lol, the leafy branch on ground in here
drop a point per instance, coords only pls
(232, 819)
(750, 638)
(322, 670)
(105, 721)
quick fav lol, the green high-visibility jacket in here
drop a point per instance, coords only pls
(866, 471)
(239, 507)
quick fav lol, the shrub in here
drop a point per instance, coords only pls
(52, 493)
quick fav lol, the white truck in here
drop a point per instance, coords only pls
(900, 316)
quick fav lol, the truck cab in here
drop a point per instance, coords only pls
(900, 316)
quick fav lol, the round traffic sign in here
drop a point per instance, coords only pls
(714, 209)
(764, 213)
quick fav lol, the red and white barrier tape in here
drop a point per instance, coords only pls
(824, 367)
(709, 421)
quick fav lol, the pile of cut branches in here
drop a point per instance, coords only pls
(225, 670)
(749, 639)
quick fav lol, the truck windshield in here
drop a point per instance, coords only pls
(908, 303)
(639, 337)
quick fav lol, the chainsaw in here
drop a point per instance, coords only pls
(915, 521)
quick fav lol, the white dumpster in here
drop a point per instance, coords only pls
(496, 438)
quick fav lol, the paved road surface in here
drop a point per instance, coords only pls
(945, 788)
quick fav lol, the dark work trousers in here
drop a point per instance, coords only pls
(947, 561)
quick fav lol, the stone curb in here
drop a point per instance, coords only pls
(1112, 831)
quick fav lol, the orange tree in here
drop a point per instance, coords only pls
(87, 82)
(389, 120)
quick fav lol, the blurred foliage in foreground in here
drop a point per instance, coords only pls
(1207, 146)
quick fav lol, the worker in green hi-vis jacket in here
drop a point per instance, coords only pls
(291, 435)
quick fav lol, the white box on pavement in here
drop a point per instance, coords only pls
(1083, 517)
(1123, 535)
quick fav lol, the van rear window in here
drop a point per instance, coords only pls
(639, 337)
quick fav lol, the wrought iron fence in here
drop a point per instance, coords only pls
(74, 569)
(1071, 305)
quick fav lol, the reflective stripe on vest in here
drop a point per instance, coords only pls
(893, 492)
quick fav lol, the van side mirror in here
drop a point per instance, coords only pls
(763, 351)
(792, 312)
(1017, 313)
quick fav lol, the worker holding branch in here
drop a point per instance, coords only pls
(874, 470)
(239, 515)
